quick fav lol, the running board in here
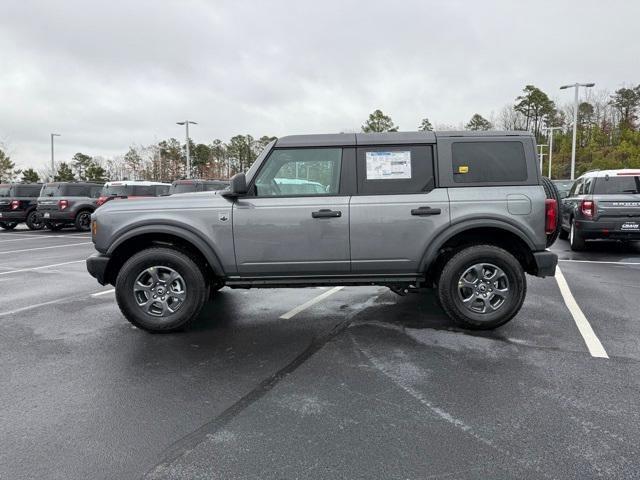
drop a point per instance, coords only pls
(323, 281)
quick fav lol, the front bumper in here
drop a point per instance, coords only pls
(545, 263)
(97, 267)
(13, 216)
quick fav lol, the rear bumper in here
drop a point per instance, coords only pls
(97, 267)
(545, 263)
(607, 229)
(56, 216)
(13, 216)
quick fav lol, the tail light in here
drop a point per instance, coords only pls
(62, 204)
(551, 215)
(588, 208)
(15, 204)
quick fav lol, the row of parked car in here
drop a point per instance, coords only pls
(59, 204)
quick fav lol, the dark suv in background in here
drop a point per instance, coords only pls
(132, 189)
(18, 202)
(197, 185)
(602, 205)
(68, 203)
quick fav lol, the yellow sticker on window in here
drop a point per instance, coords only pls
(463, 169)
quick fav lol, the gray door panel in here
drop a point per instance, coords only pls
(279, 236)
(387, 238)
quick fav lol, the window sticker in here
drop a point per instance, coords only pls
(388, 165)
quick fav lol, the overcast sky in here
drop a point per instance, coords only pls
(106, 74)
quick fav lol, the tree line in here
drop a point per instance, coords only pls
(608, 137)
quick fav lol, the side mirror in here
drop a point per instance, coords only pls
(237, 186)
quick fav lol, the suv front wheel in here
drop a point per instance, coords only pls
(482, 287)
(160, 290)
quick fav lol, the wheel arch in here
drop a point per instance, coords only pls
(180, 238)
(480, 231)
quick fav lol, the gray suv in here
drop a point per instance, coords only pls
(68, 203)
(602, 205)
(465, 213)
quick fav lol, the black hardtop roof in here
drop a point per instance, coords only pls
(387, 138)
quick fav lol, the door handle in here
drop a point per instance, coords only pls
(326, 213)
(425, 211)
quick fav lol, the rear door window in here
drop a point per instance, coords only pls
(488, 162)
(76, 190)
(162, 190)
(395, 170)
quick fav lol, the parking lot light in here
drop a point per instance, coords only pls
(575, 122)
(186, 124)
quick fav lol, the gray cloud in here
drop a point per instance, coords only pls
(110, 73)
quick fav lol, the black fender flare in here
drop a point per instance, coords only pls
(432, 250)
(176, 229)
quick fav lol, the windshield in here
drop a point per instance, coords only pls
(50, 191)
(617, 185)
(563, 187)
(115, 190)
(4, 190)
(182, 188)
(254, 168)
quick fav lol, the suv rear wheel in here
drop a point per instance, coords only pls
(575, 238)
(34, 222)
(83, 221)
(160, 290)
(482, 287)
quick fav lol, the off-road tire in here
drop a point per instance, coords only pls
(33, 222)
(551, 191)
(196, 289)
(448, 286)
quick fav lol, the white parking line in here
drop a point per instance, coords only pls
(99, 294)
(29, 238)
(40, 268)
(313, 301)
(45, 248)
(593, 344)
(600, 261)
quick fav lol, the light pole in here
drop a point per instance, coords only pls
(551, 130)
(541, 155)
(186, 124)
(575, 122)
(53, 168)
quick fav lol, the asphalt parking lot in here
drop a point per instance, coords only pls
(353, 382)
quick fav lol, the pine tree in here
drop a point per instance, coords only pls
(379, 122)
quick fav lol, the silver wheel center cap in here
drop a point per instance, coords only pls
(160, 290)
(482, 288)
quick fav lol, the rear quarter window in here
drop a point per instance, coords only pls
(488, 162)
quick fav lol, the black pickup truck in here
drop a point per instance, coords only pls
(18, 202)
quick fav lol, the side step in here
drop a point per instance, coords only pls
(403, 281)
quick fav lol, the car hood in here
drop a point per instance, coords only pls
(178, 201)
